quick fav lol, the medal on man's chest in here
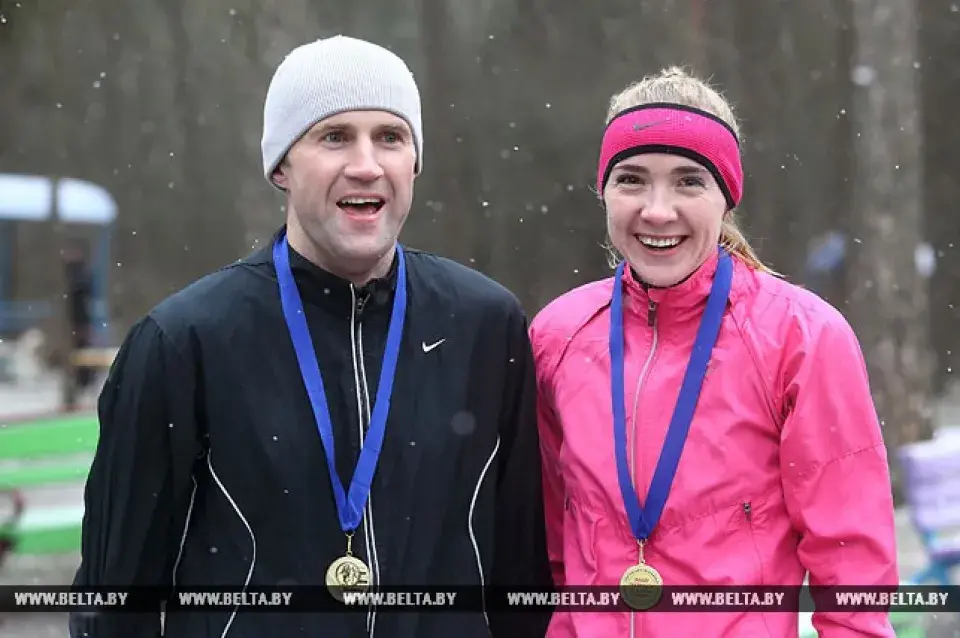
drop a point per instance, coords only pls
(347, 573)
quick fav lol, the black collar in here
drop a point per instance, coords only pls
(321, 286)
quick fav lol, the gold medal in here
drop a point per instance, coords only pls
(347, 573)
(641, 585)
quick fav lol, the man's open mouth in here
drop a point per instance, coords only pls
(361, 205)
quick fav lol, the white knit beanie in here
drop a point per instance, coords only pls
(330, 76)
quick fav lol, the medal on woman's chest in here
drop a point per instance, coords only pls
(641, 584)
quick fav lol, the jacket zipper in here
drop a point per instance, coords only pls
(632, 439)
(357, 328)
(644, 373)
(363, 409)
(748, 516)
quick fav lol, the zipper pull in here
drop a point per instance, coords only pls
(651, 313)
(747, 511)
(362, 296)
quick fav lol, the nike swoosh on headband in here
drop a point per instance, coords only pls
(640, 127)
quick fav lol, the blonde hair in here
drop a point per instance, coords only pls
(676, 86)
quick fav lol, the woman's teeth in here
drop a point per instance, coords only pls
(660, 242)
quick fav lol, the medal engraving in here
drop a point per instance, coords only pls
(347, 573)
(641, 587)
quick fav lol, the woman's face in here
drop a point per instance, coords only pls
(663, 215)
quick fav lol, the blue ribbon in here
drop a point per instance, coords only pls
(349, 506)
(644, 519)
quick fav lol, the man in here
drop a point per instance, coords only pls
(227, 401)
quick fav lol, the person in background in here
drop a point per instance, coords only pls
(703, 421)
(79, 294)
(335, 409)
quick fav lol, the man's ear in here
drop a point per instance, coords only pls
(279, 178)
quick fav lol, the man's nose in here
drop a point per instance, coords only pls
(363, 164)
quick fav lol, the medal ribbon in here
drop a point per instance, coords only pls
(350, 505)
(644, 519)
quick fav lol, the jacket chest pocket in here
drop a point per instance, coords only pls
(725, 546)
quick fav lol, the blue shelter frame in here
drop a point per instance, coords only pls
(38, 198)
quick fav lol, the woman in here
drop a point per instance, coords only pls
(753, 458)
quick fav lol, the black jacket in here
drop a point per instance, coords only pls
(210, 468)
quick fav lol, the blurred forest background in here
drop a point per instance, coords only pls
(848, 110)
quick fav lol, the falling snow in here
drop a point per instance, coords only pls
(863, 75)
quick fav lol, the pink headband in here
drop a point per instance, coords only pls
(680, 130)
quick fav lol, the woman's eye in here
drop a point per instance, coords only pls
(692, 181)
(627, 178)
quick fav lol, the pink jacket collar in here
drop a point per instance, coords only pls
(681, 302)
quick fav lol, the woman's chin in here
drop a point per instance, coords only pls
(661, 275)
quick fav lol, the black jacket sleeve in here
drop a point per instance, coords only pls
(139, 487)
(520, 554)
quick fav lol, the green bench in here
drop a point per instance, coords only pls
(39, 454)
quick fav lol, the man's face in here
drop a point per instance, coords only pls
(349, 181)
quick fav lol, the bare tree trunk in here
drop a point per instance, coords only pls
(841, 209)
(940, 79)
(454, 147)
(769, 217)
(889, 299)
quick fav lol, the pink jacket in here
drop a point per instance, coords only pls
(784, 470)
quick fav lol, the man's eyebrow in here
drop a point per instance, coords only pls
(395, 127)
(332, 126)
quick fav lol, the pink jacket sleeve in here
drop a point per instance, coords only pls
(551, 440)
(836, 477)
(553, 488)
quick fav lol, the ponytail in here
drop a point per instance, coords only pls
(734, 242)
